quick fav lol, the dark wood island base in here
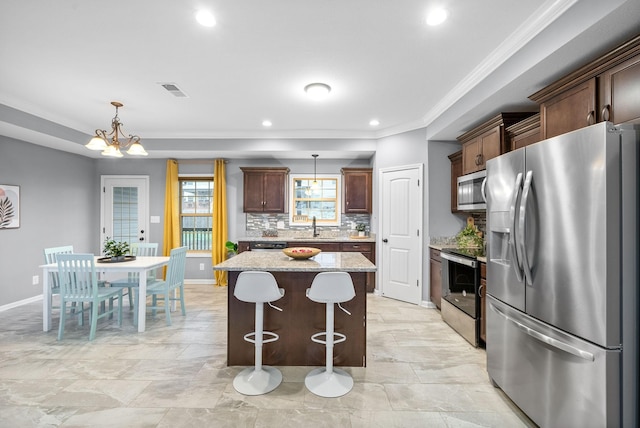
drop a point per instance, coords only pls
(300, 318)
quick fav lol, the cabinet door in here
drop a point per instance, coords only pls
(490, 143)
(324, 246)
(619, 93)
(471, 152)
(253, 192)
(435, 282)
(356, 191)
(456, 171)
(570, 110)
(274, 190)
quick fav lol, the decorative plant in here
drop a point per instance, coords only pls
(361, 227)
(470, 236)
(113, 248)
(232, 247)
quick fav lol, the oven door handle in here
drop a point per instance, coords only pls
(461, 260)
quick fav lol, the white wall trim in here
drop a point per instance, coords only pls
(200, 282)
(20, 303)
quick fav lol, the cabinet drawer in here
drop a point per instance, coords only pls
(364, 247)
(324, 246)
(434, 254)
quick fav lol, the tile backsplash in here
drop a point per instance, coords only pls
(261, 222)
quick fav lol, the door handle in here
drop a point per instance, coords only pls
(558, 344)
(385, 240)
(517, 266)
(521, 229)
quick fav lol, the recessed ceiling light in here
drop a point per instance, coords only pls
(205, 18)
(266, 123)
(374, 122)
(437, 17)
(317, 91)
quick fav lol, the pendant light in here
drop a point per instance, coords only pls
(314, 184)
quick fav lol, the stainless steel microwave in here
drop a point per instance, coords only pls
(471, 191)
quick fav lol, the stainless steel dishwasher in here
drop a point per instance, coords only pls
(267, 245)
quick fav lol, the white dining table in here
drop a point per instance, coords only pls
(140, 265)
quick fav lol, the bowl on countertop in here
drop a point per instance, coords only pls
(301, 253)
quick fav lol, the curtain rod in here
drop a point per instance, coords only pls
(198, 161)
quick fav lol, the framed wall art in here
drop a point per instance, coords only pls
(9, 206)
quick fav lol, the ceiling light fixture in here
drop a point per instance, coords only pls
(374, 122)
(437, 17)
(205, 18)
(315, 177)
(266, 123)
(317, 91)
(110, 143)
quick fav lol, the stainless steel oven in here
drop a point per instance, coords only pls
(460, 304)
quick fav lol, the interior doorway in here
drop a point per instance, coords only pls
(401, 232)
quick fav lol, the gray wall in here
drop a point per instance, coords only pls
(441, 221)
(59, 205)
(415, 149)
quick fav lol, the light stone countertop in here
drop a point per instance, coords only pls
(440, 247)
(279, 262)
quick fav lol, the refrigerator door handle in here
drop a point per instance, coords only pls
(521, 231)
(555, 343)
(517, 265)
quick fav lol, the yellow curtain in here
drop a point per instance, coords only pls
(171, 209)
(219, 239)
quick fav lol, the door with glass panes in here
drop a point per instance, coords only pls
(125, 203)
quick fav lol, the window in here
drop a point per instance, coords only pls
(320, 200)
(196, 208)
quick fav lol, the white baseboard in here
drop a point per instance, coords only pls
(200, 282)
(427, 304)
(21, 302)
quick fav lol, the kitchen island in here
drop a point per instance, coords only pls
(300, 317)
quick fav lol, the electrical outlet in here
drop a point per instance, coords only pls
(201, 266)
(35, 280)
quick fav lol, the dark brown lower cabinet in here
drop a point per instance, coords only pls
(300, 318)
(435, 277)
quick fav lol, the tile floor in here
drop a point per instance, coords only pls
(420, 373)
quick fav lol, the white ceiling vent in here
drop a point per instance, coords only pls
(172, 88)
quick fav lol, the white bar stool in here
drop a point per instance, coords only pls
(259, 288)
(330, 288)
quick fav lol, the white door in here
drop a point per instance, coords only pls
(125, 209)
(401, 219)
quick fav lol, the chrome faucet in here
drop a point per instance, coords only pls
(313, 224)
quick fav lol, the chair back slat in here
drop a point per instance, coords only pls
(147, 249)
(175, 271)
(77, 274)
(50, 256)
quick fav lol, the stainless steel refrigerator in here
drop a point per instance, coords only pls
(562, 277)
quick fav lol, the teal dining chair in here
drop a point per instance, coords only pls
(163, 290)
(50, 256)
(79, 284)
(132, 279)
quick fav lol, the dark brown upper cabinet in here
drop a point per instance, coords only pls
(356, 190)
(265, 190)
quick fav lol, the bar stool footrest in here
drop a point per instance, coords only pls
(273, 337)
(340, 338)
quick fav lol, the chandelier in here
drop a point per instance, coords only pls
(110, 143)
